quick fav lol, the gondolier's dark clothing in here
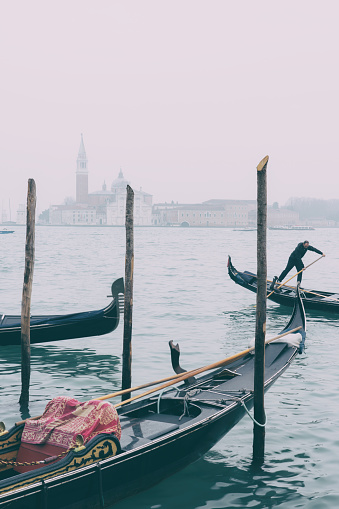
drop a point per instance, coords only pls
(295, 260)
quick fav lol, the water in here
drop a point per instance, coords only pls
(182, 293)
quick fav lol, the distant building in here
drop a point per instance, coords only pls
(108, 207)
(282, 216)
(104, 207)
(21, 214)
(82, 175)
(236, 212)
(277, 217)
(212, 213)
(201, 214)
(166, 214)
(76, 215)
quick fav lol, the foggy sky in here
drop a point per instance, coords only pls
(186, 96)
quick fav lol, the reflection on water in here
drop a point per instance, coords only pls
(81, 373)
(61, 361)
(215, 482)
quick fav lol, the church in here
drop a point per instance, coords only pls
(104, 207)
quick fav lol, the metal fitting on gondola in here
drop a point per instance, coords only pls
(3, 429)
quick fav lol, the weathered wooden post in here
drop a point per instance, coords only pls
(260, 329)
(26, 296)
(128, 302)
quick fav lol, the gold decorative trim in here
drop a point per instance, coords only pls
(104, 449)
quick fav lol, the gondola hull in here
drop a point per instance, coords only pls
(126, 474)
(312, 299)
(160, 435)
(59, 327)
(133, 471)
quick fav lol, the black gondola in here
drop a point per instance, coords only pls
(312, 299)
(47, 328)
(161, 433)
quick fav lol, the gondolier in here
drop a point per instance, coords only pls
(316, 300)
(295, 261)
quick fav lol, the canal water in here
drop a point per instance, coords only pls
(182, 292)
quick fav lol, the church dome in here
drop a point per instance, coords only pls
(120, 182)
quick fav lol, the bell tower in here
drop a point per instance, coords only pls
(82, 175)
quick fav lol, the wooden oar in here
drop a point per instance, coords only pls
(178, 377)
(308, 291)
(319, 295)
(197, 371)
(302, 270)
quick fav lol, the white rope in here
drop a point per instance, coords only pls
(159, 398)
(255, 422)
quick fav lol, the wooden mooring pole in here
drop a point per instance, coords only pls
(26, 296)
(128, 301)
(260, 328)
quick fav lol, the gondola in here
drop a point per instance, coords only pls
(156, 435)
(45, 328)
(313, 299)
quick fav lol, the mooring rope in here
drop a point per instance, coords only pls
(235, 398)
(255, 421)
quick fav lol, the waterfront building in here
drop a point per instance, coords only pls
(82, 174)
(21, 214)
(108, 207)
(282, 216)
(72, 214)
(212, 213)
(103, 207)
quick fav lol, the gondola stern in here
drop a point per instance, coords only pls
(118, 286)
(298, 319)
(118, 291)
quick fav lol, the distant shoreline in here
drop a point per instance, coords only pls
(160, 226)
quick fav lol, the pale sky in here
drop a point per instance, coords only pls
(186, 96)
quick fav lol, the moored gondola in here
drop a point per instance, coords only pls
(47, 328)
(313, 299)
(154, 437)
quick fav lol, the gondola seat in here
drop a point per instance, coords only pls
(249, 277)
(50, 437)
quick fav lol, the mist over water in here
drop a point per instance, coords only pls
(182, 292)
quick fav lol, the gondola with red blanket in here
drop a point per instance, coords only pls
(141, 442)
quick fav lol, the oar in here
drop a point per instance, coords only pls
(319, 295)
(181, 377)
(121, 392)
(178, 377)
(302, 270)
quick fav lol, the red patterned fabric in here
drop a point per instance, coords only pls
(64, 418)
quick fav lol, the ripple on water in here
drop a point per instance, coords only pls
(182, 293)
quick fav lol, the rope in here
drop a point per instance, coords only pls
(186, 409)
(158, 403)
(26, 463)
(238, 400)
(255, 422)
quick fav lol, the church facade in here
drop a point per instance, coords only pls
(103, 207)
